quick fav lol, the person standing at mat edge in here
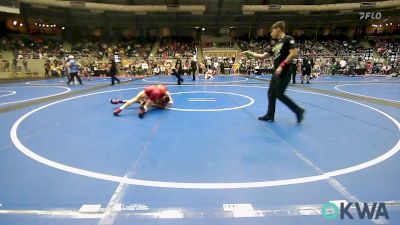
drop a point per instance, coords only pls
(193, 68)
(306, 67)
(283, 51)
(73, 69)
(178, 71)
(113, 70)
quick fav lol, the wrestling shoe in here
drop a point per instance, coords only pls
(300, 116)
(267, 118)
(117, 112)
(142, 111)
(115, 101)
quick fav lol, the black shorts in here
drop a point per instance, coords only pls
(307, 71)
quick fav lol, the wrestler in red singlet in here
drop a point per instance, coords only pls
(154, 95)
(155, 92)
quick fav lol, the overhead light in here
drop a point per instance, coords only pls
(231, 27)
(21, 24)
(203, 29)
(36, 24)
(15, 22)
(62, 28)
(47, 25)
(391, 24)
(197, 27)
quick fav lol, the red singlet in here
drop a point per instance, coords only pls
(155, 92)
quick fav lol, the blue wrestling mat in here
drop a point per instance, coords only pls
(204, 160)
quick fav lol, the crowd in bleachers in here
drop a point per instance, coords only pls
(90, 54)
(308, 47)
(170, 47)
(213, 44)
(258, 45)
(39, 48)
(131, 49)
(329, 56)
(305, 47)
(387, 48)
(344, 48)
(32, 48)
(348, 57)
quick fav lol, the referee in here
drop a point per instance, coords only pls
(283, 52)
(193, 68)
(306, 67)
(112, 71)
(73, 70)
(178, 71)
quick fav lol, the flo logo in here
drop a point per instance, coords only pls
(370, 15)
(364, 210)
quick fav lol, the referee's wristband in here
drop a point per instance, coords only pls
(283, 64)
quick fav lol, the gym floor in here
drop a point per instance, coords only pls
(65, 159)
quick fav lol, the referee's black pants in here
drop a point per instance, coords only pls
(114, 78)
(293, 73)
(277, 88)
(193, 70)
(72, 76)
(178, 75)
